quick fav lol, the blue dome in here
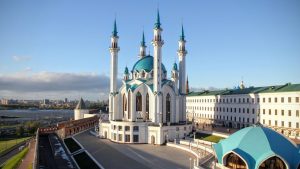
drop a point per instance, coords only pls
(146, 64)
(256, 144)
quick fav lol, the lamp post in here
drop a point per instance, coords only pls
(190, 163)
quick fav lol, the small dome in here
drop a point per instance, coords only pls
(146, 63)
(256, 144)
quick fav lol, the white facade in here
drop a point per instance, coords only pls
(148, 107)
(277, 109)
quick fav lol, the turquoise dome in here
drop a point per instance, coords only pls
(256, 144)
(146, 64)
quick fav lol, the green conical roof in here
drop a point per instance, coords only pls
(126, 71)
(143, 40)
(115, 32)
(182, 33)
(175, 66)
(157, 24)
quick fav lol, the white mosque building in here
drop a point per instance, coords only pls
(148, 107)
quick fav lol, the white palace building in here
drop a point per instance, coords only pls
(148, 107)
(276, 106)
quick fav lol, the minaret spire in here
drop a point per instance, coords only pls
(143, 47)
(157, 24)
(182, 33)
(115, 32)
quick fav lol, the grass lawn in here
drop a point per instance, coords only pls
(208, 137)
(84, 161)
(72, 145)
(13, 162)
(6, 143)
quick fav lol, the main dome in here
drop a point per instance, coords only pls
(146, 64)
(255, 144)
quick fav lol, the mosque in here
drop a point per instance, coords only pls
(149, 107)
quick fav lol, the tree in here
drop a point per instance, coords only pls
(20, 131)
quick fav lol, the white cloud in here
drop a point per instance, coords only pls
(21, 58)
(54, 85)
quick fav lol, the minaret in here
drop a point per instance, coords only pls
(174, 75)
(126, 74)
(157, 54)
(114, 49)
(143, 48)
(187, 85)
(181, 54)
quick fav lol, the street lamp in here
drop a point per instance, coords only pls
(190, 163)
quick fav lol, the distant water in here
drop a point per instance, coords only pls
(36, 114)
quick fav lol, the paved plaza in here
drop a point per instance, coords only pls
(133, 156)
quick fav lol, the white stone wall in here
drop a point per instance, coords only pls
(79, 113)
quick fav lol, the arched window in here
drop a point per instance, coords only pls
(168, 107)
(273, 163)
(147, 106)
(129, 110)
(138, 101)
(235, 162)
(124, 104)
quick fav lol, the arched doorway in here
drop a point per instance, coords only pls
(152, 140)
(105, 134)
(234, 161)
(273, 163)
(168, 107)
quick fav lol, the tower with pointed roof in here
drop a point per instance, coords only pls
(114, 50)
(143, 47)
(80, 110)
(157, 54)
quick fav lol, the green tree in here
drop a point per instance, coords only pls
(20, 131)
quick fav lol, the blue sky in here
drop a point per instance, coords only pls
(257, 41)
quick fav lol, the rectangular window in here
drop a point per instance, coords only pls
(282, 112)
(282, 99)
(269, 99)
(120, 128)
(263, 121)
(127, 128)
(136, 138)
(269, 122)
(289, 99)
(127, 138)
(282, 123)
(275, 111)
(257, 100)
(275, 122)
(290, 124)
(264, 111)
(253, 111)
(115, 136)
(297, 99)
(247, 110)
(243, 100)
(290, 112)
(135, 128)
(264, 100)
(275, 100)
(247, 100)
(269, 111)
(297, 125)
(120, 137)
(297, 113)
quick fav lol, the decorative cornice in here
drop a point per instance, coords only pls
(113, 93)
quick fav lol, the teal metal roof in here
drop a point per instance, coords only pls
(255, 144)
(157, 24)
(182, 34)
(146, 63)
(115, 32)
(126, 72)
(175, 66)
(254, 90)
(148, 83)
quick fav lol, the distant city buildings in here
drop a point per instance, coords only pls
(276, 107)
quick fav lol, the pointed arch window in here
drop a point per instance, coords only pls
(168, 107)
(235, 162)
(124, 104)
(138, 101)
(147, 106)
(129, 107)
(273, 163)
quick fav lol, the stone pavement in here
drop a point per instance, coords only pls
(28, 160)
